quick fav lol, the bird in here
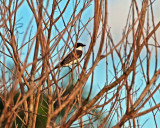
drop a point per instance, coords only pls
(72, 57)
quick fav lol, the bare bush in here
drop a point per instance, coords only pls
(35, 94)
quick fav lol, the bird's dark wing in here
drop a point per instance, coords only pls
(71, 57)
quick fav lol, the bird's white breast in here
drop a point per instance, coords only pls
(79, 48)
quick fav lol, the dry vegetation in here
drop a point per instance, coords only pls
(33, 94)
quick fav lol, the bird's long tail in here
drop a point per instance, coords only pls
(57, 66)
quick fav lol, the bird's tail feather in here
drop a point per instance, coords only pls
(57, 66)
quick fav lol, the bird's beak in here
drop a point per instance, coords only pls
(83, 45)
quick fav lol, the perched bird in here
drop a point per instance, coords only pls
(72, 57)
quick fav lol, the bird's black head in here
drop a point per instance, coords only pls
(80, 44)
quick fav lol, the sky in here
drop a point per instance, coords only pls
(118, 10)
